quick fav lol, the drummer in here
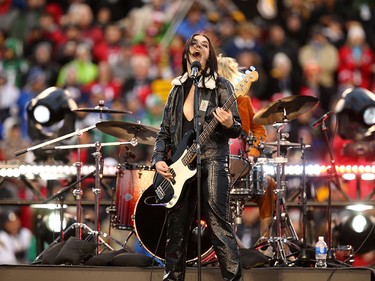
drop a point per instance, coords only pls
(229, 68)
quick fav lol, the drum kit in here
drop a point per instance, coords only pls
(249, 181)
(133, 212)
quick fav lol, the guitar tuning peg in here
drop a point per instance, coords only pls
(252, 68)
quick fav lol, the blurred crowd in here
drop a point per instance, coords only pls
(126, 53)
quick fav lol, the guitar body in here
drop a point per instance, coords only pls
(169, 191)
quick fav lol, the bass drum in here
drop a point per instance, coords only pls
(131, 180)
(149, 227)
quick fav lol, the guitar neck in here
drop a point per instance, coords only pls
(240, 89)
(192, 152)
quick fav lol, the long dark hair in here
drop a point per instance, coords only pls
(211, 65)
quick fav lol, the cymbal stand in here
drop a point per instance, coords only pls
(96, 189)
(99, 171)
(78, 192)
(281, 216)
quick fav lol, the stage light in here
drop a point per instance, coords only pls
(359, 223)
(356, 114)
(48, 108)
(53, 222)
(369, 116)
(50, 115)
(359, 207)
(358, 230)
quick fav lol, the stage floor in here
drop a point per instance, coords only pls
(83, 273)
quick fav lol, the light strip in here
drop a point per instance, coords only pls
(367, 172)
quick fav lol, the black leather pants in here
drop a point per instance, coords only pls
(215, 209)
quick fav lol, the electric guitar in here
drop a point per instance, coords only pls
(168, 191)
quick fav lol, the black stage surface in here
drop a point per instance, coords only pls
(89, 273)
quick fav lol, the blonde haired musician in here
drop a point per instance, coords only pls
(229, 68)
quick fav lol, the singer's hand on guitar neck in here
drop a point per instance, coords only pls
(224, 117)
(163, 169)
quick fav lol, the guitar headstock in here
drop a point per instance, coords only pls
(244, 85)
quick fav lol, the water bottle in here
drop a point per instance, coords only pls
(321, 253)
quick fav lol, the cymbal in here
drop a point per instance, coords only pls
(285, 143)
(99, 109)
(127, 131)
(285, 109)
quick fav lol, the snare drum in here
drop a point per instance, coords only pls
(239, 173)
(131, 180)
(258, 180)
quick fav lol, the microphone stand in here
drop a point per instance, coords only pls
(303, 254)
(198, 163)
(330, 255)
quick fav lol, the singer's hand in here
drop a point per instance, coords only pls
(224, 117)
(163, 169)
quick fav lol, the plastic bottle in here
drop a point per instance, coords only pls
(321, 253)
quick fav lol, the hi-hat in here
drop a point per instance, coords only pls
(285, 143)
(285, 109)
(127, 131)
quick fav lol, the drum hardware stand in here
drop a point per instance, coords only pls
(99, 165)
(77, 192)
(76, 225)
(281, 217)
(90, 231)
(96, 233)
(63, 190)
(237, 207)
(98, 175)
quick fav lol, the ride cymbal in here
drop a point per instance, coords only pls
(127, 131)
(285, 109)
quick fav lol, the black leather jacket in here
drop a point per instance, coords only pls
(215, 94)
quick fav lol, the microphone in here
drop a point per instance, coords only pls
(322, 119)
(195, 67)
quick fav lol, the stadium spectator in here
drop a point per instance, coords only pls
(15, 240)
(246, 39)
(82, 66)
(321, 52)
(356, 60)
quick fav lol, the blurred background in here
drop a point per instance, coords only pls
(114, 60)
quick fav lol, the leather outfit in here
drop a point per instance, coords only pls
(215, 186)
